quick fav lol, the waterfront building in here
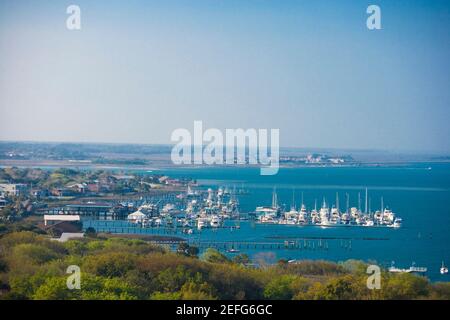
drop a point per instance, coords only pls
(50, 219)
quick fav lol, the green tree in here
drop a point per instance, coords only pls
(280, 288)
(441, 290)
(214, 256)
(165, 295)
(33, 253)
(187, 250)
(340, 288)
(90, 232)
(197, 291)
(171, 280)
(114, 264)
(241, 258)
(55, 288)
(405, 286)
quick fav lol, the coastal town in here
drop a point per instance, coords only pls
(96, 206)
(26, 192)
(149, 200)
(236, 151)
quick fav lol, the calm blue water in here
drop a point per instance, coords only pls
(419, 195)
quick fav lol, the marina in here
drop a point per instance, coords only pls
(325, 217)
(234, 224)
(417, 194)
(200, 209)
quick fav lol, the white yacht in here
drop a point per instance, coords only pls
(388, 216)
(345, 218)
(444, 269)
(291, 216)
(158, 222)
(355, 213)
(335, 216)
(378, 217)
(315, 218)
(266, 211)
(303, 215)
(268, 214)
(268, 219)
(397, 223)
(324, 214)
(215, 221)
(202, 223)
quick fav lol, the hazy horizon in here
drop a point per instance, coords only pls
(282, 148)
(138, 70)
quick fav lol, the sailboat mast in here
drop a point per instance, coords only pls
(365, 207)
(359, 201)
(293, 198)
(348, 202)
(337, 201)
(274, 198)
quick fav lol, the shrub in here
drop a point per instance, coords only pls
(214, 256)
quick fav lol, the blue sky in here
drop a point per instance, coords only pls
(140, 69)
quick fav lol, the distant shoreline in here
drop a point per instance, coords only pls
(168, 165)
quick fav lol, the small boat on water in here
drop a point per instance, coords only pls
(232, 250)
(397, 222)
(444, 269)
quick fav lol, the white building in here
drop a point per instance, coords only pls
(54, 218)
(12, 189)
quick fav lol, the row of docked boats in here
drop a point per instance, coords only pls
(194, 209)
(212, 211)
(326, 216)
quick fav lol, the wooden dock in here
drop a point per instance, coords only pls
(307, 243)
